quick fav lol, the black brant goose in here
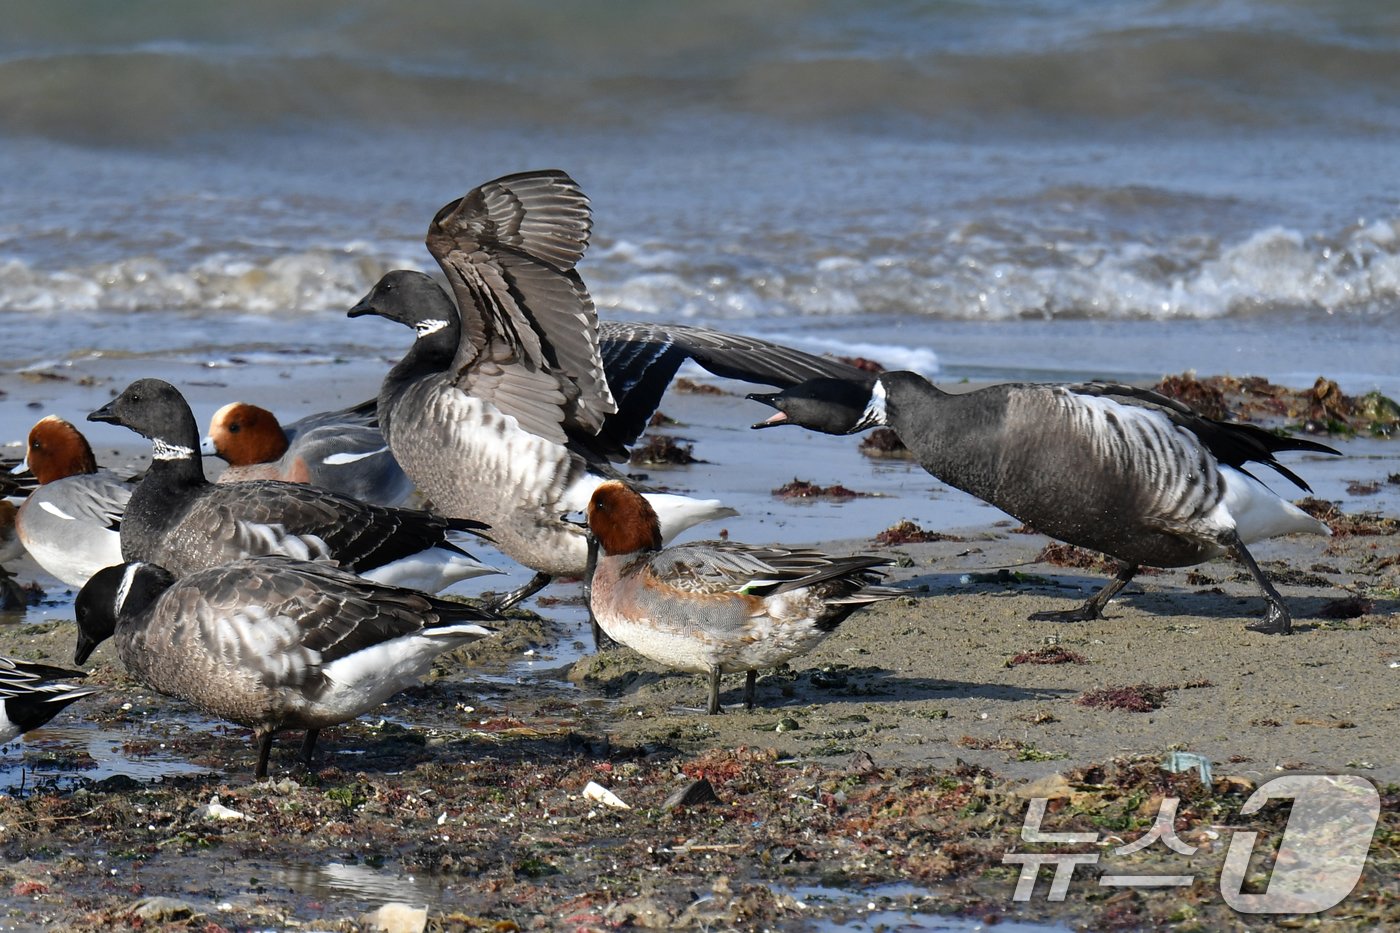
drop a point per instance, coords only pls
(271, 643)
(1125, 471)
(182, 522)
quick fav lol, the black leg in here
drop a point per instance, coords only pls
(264, 751)
(1277, 621)
(714, 692)
(11, 596)
(1093, 607)
(308, 746)
(750, 688)
(538, 582)
(600, 638)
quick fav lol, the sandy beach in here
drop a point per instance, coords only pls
(880, 780)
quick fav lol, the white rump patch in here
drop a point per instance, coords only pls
(431, 571)
(1257, 512)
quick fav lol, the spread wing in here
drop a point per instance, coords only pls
(641, 359)
(529, 329)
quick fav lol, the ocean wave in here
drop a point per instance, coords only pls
(982, 270)
(313, 280)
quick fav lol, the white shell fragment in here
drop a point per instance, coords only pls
(600, 794)
(213, 810)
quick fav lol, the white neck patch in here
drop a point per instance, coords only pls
(424, 328)
(164, 450)
(124, 590)
(875, 411)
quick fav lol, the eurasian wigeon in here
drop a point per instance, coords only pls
(179, 520)
(71, 524)
(1125, 471)
(342, 451)
(504, 408)
(271, 643)
(31, 694)
(716, 607)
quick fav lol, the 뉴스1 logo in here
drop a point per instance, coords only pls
(1319, 862)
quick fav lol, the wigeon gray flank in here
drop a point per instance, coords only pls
(1125, 471)
(506, 408)
(271, 643)
(342, 451)
(179, 520)
(70, 524)
(716, 607)
(31, 694)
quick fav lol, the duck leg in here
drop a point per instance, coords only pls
(308, 746)
(1093, 607)
(264, 751)
(1277, 621)
(714, 691)
(600, 637)
(536, 583)
(750, 688)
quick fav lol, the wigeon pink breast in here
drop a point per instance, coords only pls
(343, 451)
(71, 523)
(716, 607)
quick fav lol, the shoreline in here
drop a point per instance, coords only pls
(914, 725)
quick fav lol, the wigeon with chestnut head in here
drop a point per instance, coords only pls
(71, 524)
(716, 607)
(342, 451)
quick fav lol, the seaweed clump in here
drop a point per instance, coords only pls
(802, 489)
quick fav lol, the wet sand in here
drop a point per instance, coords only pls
(891, 755)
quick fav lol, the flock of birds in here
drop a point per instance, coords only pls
(294, 593)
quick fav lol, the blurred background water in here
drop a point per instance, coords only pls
(1030, 188)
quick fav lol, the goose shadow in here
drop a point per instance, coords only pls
(1176, 599)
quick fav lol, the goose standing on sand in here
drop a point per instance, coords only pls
(342, 451)
(716, 607)
(31, 694)
(505, 408)
(71, 523)
(271, 643)
(182, 522)
(1125, 471)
